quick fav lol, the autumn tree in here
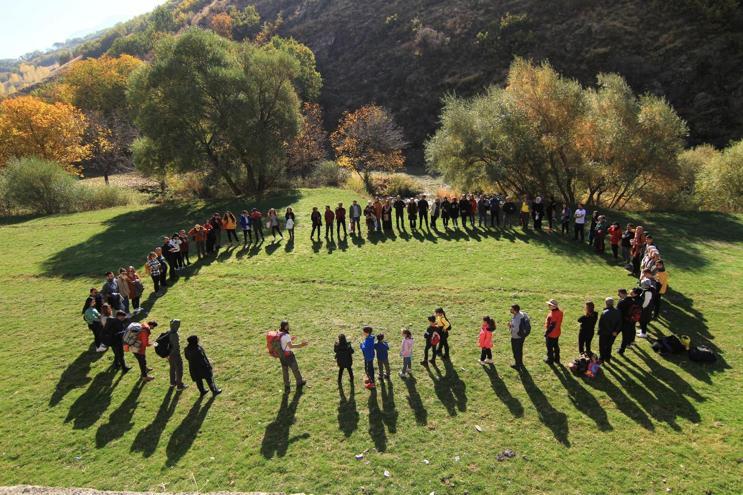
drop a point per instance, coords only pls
(368, 139)
(52, 131)
(222, 25)
(308, 147)
(245, 22)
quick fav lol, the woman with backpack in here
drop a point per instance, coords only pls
(485, 340)
(344, 357)
(442, 323)
(199, 366)
(287, 358)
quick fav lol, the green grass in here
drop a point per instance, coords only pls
(651, 423)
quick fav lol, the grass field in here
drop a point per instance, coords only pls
(651, 424)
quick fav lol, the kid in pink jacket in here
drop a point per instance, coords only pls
(486, 340)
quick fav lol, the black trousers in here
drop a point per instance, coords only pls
(258, 229)
(247, 236)
(276, 229)
(423, 217)
(209, 379)
(231, 235)
(565, 227)
(656, 305)
(338, 225)
(443, 349)
(426, 349)
(585, 337)
(328, 229)
(606, 342)
(369, 368)
(494, 218)
(434, 218)
(142, 361)
(118, 349)
(355, 225)
(347, 368)
(96, 328)
(615, 250)
(579, 231)
(399, 218)
(517, 348)
(486, 354)
(314, 227)
(628, 335)
(553, 349)
(647, 315)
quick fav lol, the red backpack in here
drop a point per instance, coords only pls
(273, 343)
(635, 312)
(435, 338)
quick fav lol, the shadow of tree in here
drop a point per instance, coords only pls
(504, 395)
(148, 437)
(120, 420)
(276, 439)
(376, 422)
(553, 419)
(90, 406)
(75, 375)
(415, 402)
(184, 435)
(348, 415)
(582, 399)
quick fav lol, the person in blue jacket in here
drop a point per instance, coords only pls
(367, 348)
(382, 348)
(245, 223)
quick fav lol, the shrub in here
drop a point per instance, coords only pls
(400, 185)
(326, 173)
(91, 197)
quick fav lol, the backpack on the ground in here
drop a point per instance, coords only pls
(668, 345)
(273, 343)
(524, 326)
(580, 365)
(702, 354)
(162, 345)
(131, 334)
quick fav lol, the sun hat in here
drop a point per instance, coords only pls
(552, 302)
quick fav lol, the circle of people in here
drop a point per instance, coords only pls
(110, 311)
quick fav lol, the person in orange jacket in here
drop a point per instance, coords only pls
(485, 340)
(552, 330)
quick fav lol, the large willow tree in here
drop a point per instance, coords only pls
(546, 134)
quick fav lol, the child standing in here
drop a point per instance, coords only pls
(382, 348)
(406, 352)
(486, 340)
(587, 326)
(442, 322)
(344, 357)
(432, 338)
(367, 348)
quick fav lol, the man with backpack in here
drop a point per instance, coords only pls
(520, 327)
(610, 324)
(287, 358)
(631, 310)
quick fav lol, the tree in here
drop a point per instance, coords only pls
(308, 147)
(207, 102)
(245, 22)
(32, 127)
(222, 25)
(719, 184)
(368, 139)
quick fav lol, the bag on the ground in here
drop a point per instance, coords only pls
(131, 334)
(162, 345)
(524, 326)
(668, 345)
(686, 341)
(273, 343)
(702, 354)
(580, 365)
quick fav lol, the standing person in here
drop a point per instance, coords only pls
(610, 324)
(445, 212)
(631, 310)
(199, 366)
(92, 318)
(111, 292)
(367, 348)
(399, 206)
(435, 212)
(648, 305)
(355, 213)
(114, 332)
(245, 222)
(406, 353)
(432, 337)
(551, 211)
(370, 220)
(454, 212)
(495, 206)
(509, 210)
(552, 331)
(464, 210)
(344, 357)
(167, 251)
(485, 340)
(377, 207)
(274, 223)
(565, 219)
(152, 266)
(290, 220)
(163, 267)
(587, 323)
(185, 246)
(517, 325)
(140, 350)
(382, 350)
(412, 213)
(661, 277)
(288, 359)
(638, 249)
(482, 211)
(136, 288)
(423, 212)
(387, 216)
(442, 323)
(615, 237)
(229, 223)
(217, 227)
(174, 357)
(600, 234)
(211, 236)
(94, 299)
(579, 217)
(537, 212)
(626, 243)
(257, 224)
(592, 227)
(329, 217)
(472, 209)
(175, 242)
(316, 219)
(524, 213)
(340, 220)
(125, 291)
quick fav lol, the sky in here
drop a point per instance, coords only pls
(28, 25)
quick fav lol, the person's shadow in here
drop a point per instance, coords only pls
(500, 389)
(389, 411)
(449, 388)
(376, 422)
(90, 406)
(185, 433)
(276, 439)
(75, 375)
(553, 419)
(582, 399)
(148, 437)
(120, 421)
(415, 402)
(348, 416)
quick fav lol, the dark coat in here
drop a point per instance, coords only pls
(343, 355)
(199, 366)
(610, 321)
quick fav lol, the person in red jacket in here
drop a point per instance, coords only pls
(615, 237)
(257, 223)
(552, 330)
(143, 342)
(329, 217)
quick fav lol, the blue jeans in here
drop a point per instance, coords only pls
(407, 364)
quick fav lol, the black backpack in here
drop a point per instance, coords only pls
(702, 354)
(669, 345)
(524, 326)
(162, 345)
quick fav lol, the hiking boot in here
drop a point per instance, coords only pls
(641, 335)
(489, 361)
(101, 348)
(182, 386)
(148, 378)
(482, 363)
(216, 392)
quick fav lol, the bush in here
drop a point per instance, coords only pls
(326, 173)
(41, 186)
(400, 185)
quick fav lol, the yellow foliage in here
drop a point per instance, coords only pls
(100, 83)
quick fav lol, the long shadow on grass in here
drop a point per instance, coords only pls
(415, 402)
(376, 422)
(582, 399)
(553, 419)
(90, 406)
(75, 375)
(184, 435)
(626, 405)
(276, 439)
(500, 389)
(348, 415)
(148, 437)
(449, 388)
(120, 420)
(389, 411)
